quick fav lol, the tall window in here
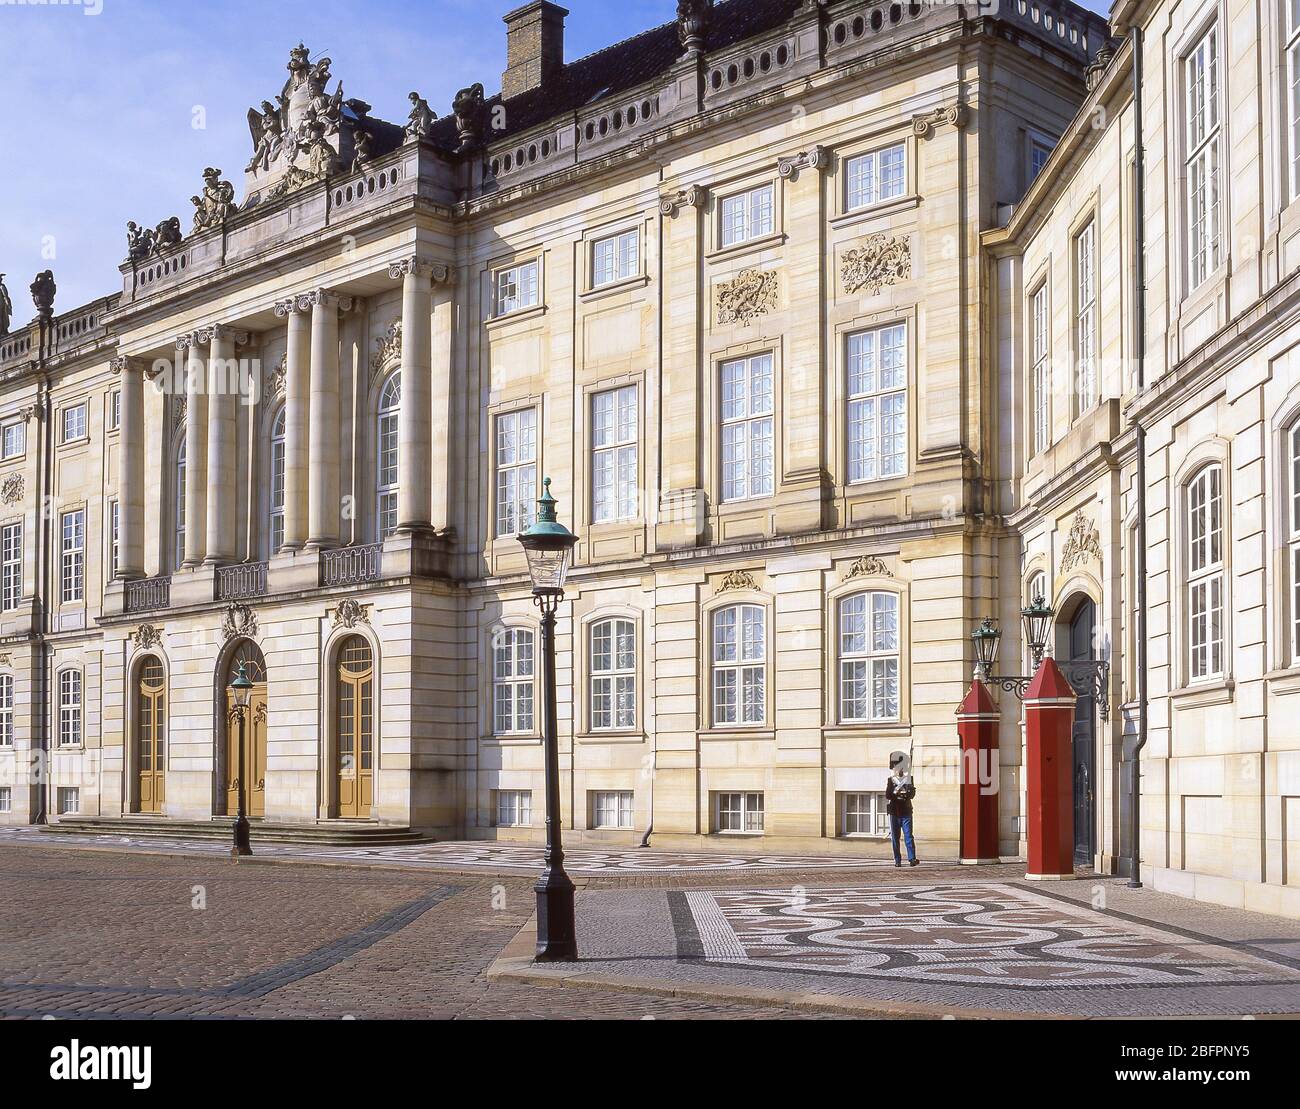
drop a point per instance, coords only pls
(615, 258)
(1201, 77)
(1205, 573)
(748, 215)
(613, 675)
(277, 481)
(512, 681)
(1293, 442)
(1085, 319)
(74, 423)
(871, 178)
(868, 657)
(876, 361)
(740, 665)
(73, 574)
(390, 406)
(11, 566)
(747, 389)
(6, 710)
(114, 409)
(516, 470)
(178, 509)
(1042, 349)
(114, 538)
(613, 454)
(69, 708)
(13, 439)
(514, 288)
(1293, 90)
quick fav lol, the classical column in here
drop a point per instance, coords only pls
(323, 433)
(297, 385)
(223, 401)
(130, 471)
(196, 449)
(414, 422)
(444, 432)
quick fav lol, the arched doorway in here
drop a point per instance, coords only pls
(150, 732)
(354, 684)
(1081, 635)
(254, 732)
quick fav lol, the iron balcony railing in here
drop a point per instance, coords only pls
(235, 583)
(351, 565)
(148, 594)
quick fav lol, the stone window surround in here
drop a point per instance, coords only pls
(63, 410)
(21, 521)
(495, 544)
(584, 523)
(57, 707)
(832, 597)
(636, 222)
(1038, 282)
(718, 192)
(875, 145)
(112, 399)
(488, 737)
(9, 421)
(711, 406)
(584, 623)
(491, 318)
(1084, 219)
(58, 553)
(721, 599)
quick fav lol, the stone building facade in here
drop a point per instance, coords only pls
(822, 319)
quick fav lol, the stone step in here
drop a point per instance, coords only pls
(342, 834)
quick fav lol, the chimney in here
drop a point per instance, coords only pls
(534, 46)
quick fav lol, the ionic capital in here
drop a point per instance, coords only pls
(817, 158)
(694, 197)
(436, 272)
(924, 125)
(323, 298)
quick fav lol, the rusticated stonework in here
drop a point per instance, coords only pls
(752, 293)
(1083, 543)
(882, 260)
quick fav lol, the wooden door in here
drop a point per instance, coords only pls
(353, 727)
(255, 728)
(150, 730)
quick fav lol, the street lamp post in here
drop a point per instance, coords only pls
(548, 546)
(242, 690)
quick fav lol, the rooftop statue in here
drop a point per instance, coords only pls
(468, 108)
(139, 241)
(43, 290)
(6, 307)
(421, 119)
(693, 25)
(216, 203)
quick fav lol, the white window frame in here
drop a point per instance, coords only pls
(13, 440)
(278, 460)
(516, 287)
(1291, 90)
(11, 565)
(6, 710)
(876, 411)
(71, 719)
(1206, 601)
(615, 257)
(615, 436)
(72, 556)
(615, 803)
(875, 177)
(739, 812)
(747, 407)
(1203, 156)
(613, 674)
(69, 800)
(868, 647)
(747, 215)
(514, 677)
(114, 537)
(75, 423)
(513, 808)
(114, 409)
(515, 449)
(738, 654)
(1085, 317)
(861, 808)
(6, 799)
(1040, 345)
(388, 456)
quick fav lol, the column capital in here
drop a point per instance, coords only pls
(438, 272)
(323, 298)
(186, 339)
(291, 305)
(817, 158)
(694, 197)
(213, 331)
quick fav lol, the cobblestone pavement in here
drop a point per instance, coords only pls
(99, 934)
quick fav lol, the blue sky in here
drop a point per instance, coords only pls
(112, 116)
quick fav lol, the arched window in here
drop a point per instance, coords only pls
(277, 481)
(178, 509)
(1205, 543)
(512, 681)
(6, 710)
(740, 665)
(69, 708)
(613, 674)
(390, 404)
(1037, 588)
(354, 721)
(868, 657)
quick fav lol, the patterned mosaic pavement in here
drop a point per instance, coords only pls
(471, 856)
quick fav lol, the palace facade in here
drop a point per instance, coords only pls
(836, 326)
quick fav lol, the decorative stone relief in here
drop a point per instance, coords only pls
(956, 115)
(881, 260)
(147, 636)
(672, 203)
(12, 488)
(216, 203)
(1083, 543)
(349, 613)
(737, 579)
(276, 383)
(180, 406)
(868, 566)
(240, 622)
(4, 660)
(388, 349)
(750, 295)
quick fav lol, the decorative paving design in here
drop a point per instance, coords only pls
(976, 935)
(469, 855)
